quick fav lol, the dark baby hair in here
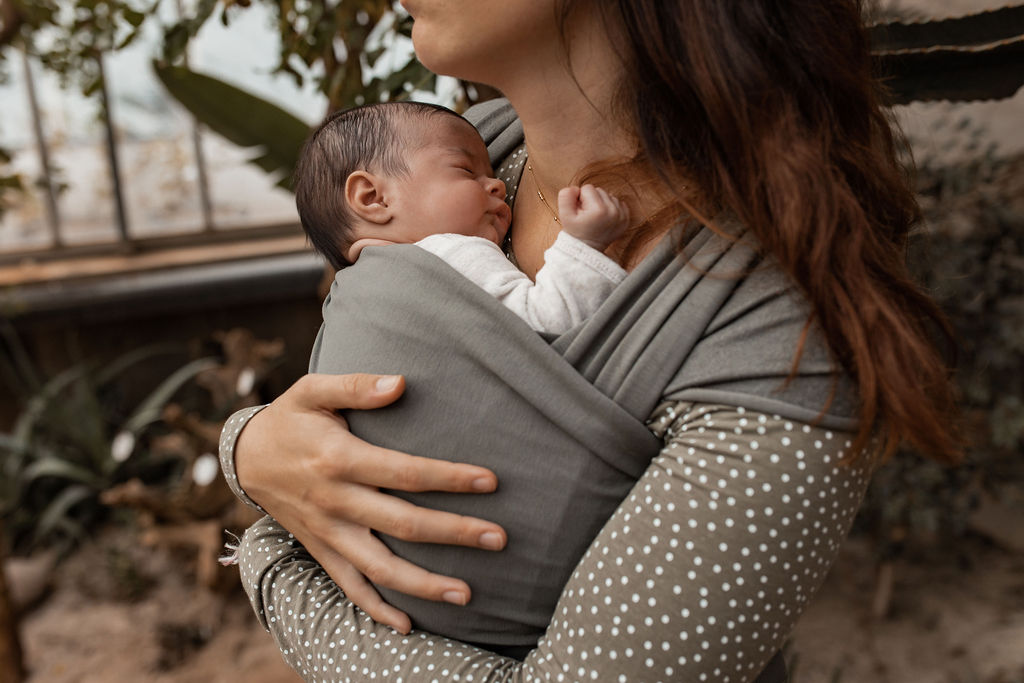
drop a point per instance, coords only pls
(365, 138)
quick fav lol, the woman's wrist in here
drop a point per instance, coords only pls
(228, 449)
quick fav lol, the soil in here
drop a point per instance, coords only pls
(958, 618)
(119, 612)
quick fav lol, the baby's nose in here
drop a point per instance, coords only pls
(495, 187)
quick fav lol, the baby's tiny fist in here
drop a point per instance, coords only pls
(592, 215)
(568, 202)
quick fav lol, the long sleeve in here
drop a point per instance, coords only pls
(699, 575)
(228, 438)
(574, 281)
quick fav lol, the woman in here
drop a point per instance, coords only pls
(762, 115)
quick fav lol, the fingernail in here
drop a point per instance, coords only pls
(387, 383)
(491, 540)
(454, 597)
(482, 484)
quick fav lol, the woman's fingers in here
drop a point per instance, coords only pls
(358, 589)
(363, 463)
(354, 460)
(366, 598)
(379, 565)
(335, 392)
(399, 518)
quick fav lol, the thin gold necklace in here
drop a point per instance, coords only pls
(540, 195)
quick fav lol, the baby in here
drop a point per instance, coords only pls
(401, 173)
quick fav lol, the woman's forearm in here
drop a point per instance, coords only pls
(703, 569)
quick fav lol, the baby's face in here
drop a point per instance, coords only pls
(450, 186)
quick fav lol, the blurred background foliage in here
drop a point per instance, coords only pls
(970, 255)
(349, 51)
(86, 430)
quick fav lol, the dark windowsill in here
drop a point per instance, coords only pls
(179, 279)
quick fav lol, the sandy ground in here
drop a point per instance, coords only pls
(120, 613)
(951, 621)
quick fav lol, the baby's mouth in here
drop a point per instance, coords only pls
(504, 215)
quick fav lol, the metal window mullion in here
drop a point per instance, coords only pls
(115, 169)
(197, 145)
(52, 213)
(204, 187)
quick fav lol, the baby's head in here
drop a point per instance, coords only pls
(395, 173)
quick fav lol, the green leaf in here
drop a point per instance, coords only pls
(9, 444)
(12, 182)
(373, 55)
(127, 40)
(92, 86)
(18, 358)
(133, 17)
(241, 117)
(127, 360)
(59, 508)
(175, 41)
(38, 404)
(150, 409)
(53, 466)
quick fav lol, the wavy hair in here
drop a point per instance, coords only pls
(768, 110)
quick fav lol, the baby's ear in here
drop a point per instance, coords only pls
(364, 195)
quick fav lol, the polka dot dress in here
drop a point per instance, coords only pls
(699, 575)
(510, 172)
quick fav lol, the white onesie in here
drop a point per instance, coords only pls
(574, 281)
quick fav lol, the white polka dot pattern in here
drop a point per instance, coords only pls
(511, 171)
(228, 437)
(698, 576)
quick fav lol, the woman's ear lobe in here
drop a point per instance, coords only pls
(364, 195)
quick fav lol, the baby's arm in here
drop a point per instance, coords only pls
(574, 281)
(592, 216)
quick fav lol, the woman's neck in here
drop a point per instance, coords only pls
(569, 124)
(567, 115)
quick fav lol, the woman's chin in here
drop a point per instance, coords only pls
(449, 60)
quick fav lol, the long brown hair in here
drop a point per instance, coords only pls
(770, 110)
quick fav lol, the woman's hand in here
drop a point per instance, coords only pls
(298, 460)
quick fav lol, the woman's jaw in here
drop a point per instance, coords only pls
(483, 41)
(563, 91)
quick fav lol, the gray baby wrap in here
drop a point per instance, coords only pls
(561, 422)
